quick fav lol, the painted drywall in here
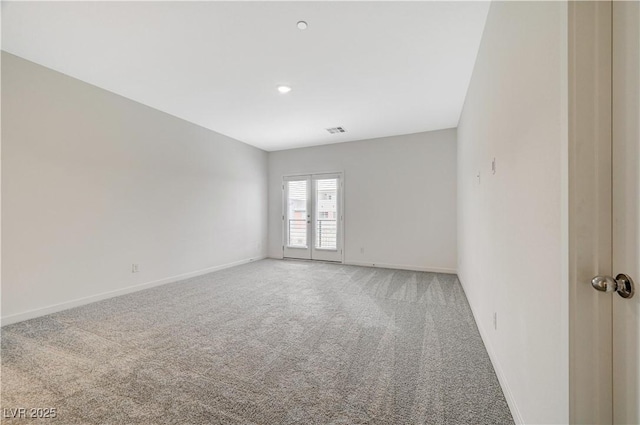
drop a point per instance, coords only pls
(512, 239)
(399, 198)
(220, 62)
(93, 182)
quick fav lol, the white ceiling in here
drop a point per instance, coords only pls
(375, 68)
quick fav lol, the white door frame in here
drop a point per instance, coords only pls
(626, 209)
(311, 234)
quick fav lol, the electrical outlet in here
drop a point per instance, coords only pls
(135, 268)
(495, 321)
(493, 165)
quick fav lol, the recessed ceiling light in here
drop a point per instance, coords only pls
(284, 89)
(302, 25)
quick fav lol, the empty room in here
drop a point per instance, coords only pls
(320, 212)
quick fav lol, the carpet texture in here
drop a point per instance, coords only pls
(270, 342)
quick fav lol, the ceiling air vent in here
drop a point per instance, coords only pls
(336, 130)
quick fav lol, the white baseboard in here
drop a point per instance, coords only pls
(31, 314)
(402, 267)
(389, 266)
(508, 394)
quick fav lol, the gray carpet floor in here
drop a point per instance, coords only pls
(269, 342)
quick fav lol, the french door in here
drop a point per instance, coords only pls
(312, 218)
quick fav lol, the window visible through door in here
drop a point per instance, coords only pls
(297, 214)
(327, 214)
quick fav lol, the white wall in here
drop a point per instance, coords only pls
(400, 198)
(512, 225)
(93, 182)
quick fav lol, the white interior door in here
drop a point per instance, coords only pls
(590, 223)
(626, 209)
(604, 205)
(312, 219)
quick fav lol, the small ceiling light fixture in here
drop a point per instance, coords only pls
(302, 25)
(284, 89)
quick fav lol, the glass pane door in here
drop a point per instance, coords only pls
(326, 213)
(297, 217)
(297, 213)
(327, 217)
